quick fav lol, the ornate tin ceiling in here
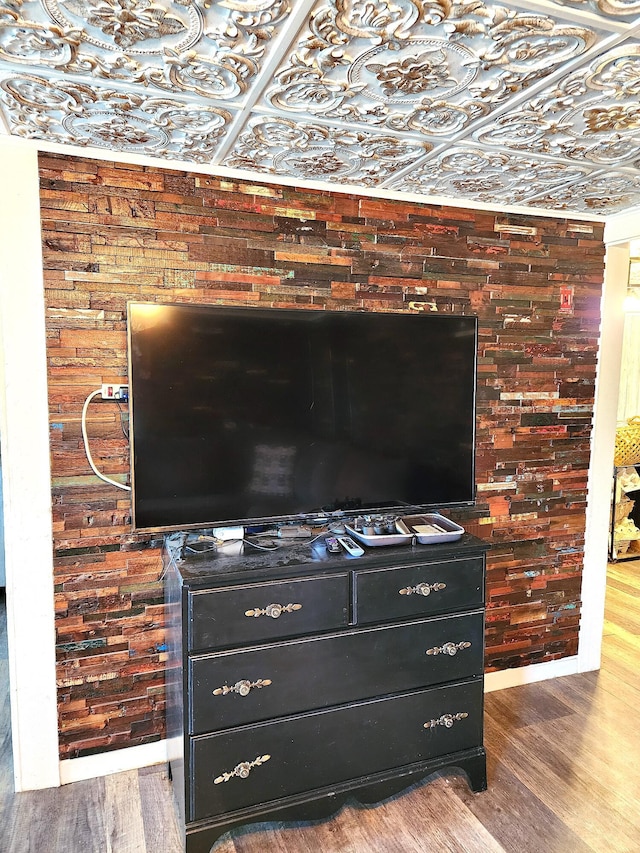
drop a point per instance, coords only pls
(533, 104)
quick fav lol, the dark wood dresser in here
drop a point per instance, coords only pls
(298, 679)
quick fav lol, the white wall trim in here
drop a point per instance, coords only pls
(505, 678)
(24, 431)
(622, 227)
(115, 761)
(594, 577)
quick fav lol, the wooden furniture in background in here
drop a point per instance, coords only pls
(624, 531)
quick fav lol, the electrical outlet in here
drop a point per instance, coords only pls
(115, 392)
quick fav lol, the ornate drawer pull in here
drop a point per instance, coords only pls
(242, 770)
(449, 648)
(273, 610)
(422, 589)
(242, 688)
(446, 720)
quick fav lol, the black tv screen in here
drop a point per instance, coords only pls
(248, 415)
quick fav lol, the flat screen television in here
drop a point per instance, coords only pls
(248, 416)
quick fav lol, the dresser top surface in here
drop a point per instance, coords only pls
(304, 557)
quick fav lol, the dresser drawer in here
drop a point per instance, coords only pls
(231, 688)
(256, 764)
(260, 612)
(399, 593)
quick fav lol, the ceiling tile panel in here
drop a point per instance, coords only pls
(214, 50)
(592, 114)
(611, 192)
(488, 176)
(426, 67)
(62, 110)
(308, 150)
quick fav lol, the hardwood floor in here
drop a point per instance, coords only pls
(564, 777)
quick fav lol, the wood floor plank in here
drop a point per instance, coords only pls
(622, 603)
(597, 743)
(574, 797)
(622, 619)
(438, 819)
(516, 818)
(160, 820)
(124, 826)
(593, 693)
(6, 761)
(7, 796)
(3, 627)
(620, 659)
(526, 705)
(265, 836)
(66, 819)
(626, 572)
(602, 753)
(343, 832)
(429, 818)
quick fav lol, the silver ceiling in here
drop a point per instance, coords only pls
(532, 104)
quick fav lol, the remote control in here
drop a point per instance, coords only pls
(353, 549)
(333, 546)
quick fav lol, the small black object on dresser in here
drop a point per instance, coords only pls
(298, 679)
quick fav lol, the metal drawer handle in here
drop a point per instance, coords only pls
(446, 720)
(449, 648)
(273, 610)
(422, 589)
(241, 770)
(242, 688)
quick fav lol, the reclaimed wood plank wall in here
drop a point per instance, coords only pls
(115, 232)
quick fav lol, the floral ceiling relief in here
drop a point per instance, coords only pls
(430, 67)
(487, 175)
(128, 24)
(109, 118)
(611, 191)
(592, 115)
(181, 46)
(308, 151)
(504, 104)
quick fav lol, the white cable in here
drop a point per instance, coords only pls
(86, 444)
(173, 544)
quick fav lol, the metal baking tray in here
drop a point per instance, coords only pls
(430, 528)
(378, 539)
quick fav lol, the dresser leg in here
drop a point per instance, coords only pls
(475, 768)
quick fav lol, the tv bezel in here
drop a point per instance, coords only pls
(311, 516)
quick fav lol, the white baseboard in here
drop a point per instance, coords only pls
(530, 674)
(104, 763)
